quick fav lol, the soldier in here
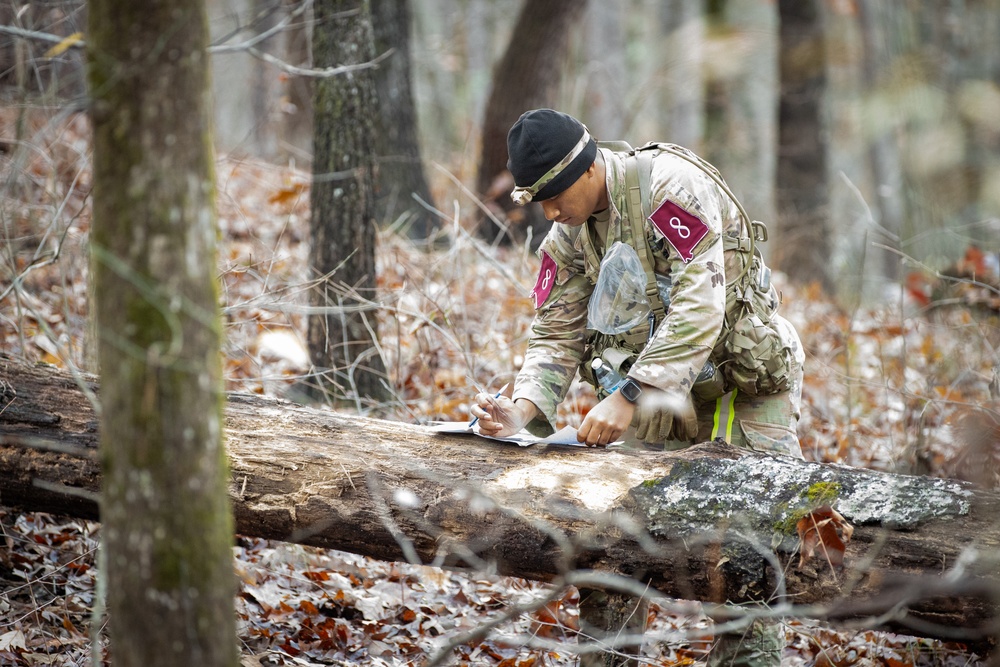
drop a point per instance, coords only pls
(712, 359)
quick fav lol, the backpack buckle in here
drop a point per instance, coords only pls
(759, 231)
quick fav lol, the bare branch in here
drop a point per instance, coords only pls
(34, 34)
(324, 73)
(247, 46)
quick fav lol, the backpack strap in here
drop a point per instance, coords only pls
(756, 230)
(616, 146)
(638, 173)
(638, 177)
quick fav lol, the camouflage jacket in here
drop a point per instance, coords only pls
(691, 218)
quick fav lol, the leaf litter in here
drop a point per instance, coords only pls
(892, 387)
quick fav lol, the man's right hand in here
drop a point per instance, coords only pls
(500, 416)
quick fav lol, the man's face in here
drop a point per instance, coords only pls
(574, 205)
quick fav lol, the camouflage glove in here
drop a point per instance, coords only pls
(659, 418)
(685, 422)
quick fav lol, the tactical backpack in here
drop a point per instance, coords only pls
(749, 354)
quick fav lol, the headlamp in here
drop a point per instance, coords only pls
(521, 196)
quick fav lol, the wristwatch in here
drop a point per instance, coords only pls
(630, 390)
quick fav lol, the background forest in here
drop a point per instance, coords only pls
(865, 133)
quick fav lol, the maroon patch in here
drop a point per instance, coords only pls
(546, 280)
(682, 229)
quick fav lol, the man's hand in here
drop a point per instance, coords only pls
(500, 416)
(663, 417)
(606, 421)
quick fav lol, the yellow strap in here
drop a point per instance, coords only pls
(725, 416)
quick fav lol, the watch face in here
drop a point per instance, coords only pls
(631, 390)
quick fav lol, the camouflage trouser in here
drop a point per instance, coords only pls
(760, 645)
(761, 423)
(764, 424)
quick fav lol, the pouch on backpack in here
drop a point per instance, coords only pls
(619, 301)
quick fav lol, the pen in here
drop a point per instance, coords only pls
(495, 396)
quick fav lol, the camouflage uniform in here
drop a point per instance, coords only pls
(687, 338)
(560, 344)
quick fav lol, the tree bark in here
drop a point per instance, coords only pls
(167, 518)
(400, 169)
(711, 523)
(881, 48)
(342, 335)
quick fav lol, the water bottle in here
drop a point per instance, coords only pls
(607, 376)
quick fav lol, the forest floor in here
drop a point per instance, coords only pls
(896, 386)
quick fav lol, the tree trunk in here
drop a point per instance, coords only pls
(680, 104)
(400, 170)
(602, 61)
(526, 77)
(802, 187)
(342, 338)
(745, 138)
(698, 525)
(881, 49)
(167, 519)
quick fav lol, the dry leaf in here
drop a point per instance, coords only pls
(288, 194)
(12, 640)
(825, 531)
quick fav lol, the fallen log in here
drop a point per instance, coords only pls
(710, 523)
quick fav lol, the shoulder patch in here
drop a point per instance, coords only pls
(682, 229)
(546, 280)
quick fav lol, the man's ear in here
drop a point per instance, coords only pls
(597, 166)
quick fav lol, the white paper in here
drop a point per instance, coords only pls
(565, 436)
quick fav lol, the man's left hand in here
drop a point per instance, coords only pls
(606, 422)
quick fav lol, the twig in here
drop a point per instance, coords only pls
(56, 487)
(48, 445)
(34, 34)
(324, 73)
(222, 49)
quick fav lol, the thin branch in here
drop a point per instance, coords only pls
(325, 73)
(66, 490)
(248, 47)
(222, 47)
(484, 629)
(34, 34)
(476, 244)
(937, 274)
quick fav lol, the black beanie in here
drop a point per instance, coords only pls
(538, 141)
